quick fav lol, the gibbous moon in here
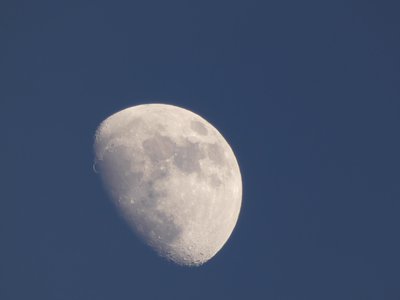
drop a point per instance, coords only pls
(173, 178)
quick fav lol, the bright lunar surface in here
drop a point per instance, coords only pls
(173, 177)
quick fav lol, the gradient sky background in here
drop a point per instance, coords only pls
(306, 92)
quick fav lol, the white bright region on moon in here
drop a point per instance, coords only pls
(173, 178)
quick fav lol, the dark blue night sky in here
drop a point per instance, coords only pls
(306, 92)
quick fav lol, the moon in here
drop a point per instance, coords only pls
(173, 178)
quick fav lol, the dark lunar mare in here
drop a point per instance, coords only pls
(187, 158)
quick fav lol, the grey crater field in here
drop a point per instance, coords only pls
(173, 178)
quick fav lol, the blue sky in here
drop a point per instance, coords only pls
(307, 94)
